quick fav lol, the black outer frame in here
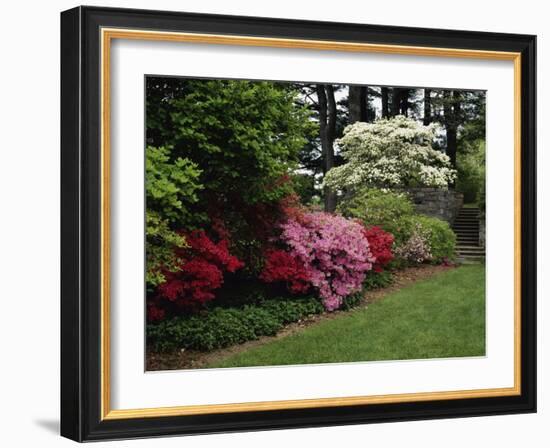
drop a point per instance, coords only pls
(80, 223)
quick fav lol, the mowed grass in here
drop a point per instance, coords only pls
(440, 317)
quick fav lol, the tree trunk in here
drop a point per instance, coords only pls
(327, 131)
(395, 101)
(368, 111)
(357, 100)
(385, 108)
(404, 102)
(427, 107)
(449, 112)
(457, 99)
(451, 144)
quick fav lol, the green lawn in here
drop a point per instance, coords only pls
(443, 316)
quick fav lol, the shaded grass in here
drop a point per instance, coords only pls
(441, 317)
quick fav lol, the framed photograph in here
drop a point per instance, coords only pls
(272, 223)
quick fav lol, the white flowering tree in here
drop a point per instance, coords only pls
(390, 153)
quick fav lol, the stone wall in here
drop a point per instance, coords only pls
(442, 204)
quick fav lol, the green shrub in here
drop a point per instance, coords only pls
(383, 208)
(436, 233)
(288, 311)
(222, 327)
(441, 238)
(394, 212)
(373, 280)
(244, 135)
(304, 187)
(260, 321)
(376, 205)
(352, 301)
(416, 249)
(376, 280)
(218, 328)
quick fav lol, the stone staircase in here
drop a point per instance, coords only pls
(466, 228)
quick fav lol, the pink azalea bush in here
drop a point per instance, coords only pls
(334, 251)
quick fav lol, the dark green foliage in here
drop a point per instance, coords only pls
(351, 301)
(222, 327)
(473, 126)
(240, 291)
(377, 280)
(304, 186)
(288, 311)
(463, 119)
(244, 135)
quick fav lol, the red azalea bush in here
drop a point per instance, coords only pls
(216, 253)
(380, 244)
(154, 312)
(200, 272)
(280, 266)
(193, 283)
(253, 227)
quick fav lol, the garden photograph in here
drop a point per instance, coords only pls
(293, 223)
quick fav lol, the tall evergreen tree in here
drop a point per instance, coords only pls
(327, 131)
(384, 93)
(452, 117)
(357, 103)
(427, 107)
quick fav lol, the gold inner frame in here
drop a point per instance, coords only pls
(107, 35)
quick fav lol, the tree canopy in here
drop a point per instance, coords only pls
(245, 135)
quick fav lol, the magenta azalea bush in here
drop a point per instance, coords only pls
(334, 251)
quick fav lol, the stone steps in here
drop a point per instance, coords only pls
(470, 248)
(466, 228)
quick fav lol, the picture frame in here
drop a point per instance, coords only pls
(86, 37)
